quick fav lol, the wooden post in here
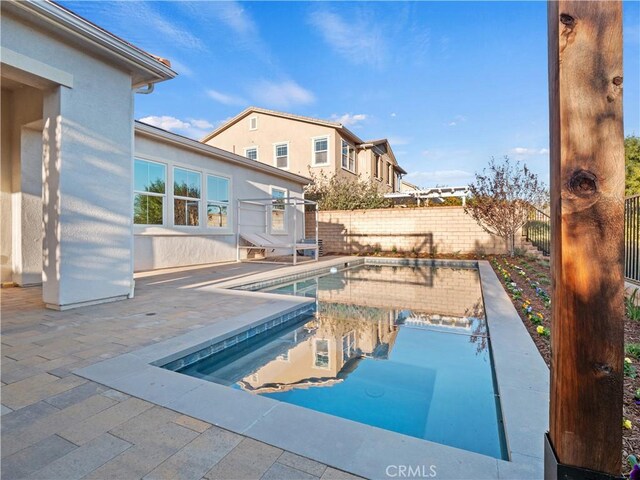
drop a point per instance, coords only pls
(587, 219)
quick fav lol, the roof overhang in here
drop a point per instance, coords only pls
(144, 68)
(274, 113)
(375, 143)
(214, 152)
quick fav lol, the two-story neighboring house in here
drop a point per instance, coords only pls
(305, 145)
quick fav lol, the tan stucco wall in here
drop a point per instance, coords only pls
(430, 230)
(273, 129)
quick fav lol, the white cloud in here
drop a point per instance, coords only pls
(204, 124)
(453, 178)
(169, 31)
(522, 151)
(281, 94)
(166, 122)
(236, 17)
(193, 128)
(144, 25)
(457, 120)
(349, 120)
(393, 115)
(354, 39)
(225, 98)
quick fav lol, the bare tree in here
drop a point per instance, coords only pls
(501, 197)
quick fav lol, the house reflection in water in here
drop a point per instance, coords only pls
(352, 324)
(326, 349)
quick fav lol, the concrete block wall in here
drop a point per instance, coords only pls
(432, 230)
(442, 291)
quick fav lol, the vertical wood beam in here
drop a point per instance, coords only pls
(587, 221)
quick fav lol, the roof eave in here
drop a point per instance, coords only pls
(144, 67)
(220, 154)
(274, 113)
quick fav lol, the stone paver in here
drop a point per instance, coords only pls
(36, 388)
(31, 433)
(104, 421)
(192, 423)
(32, 458)
(249, 460)
(198, 457)
(83, 460)
(278, 471)
(116, 395)
(19, 418)
(57, 425)
(75, 395)
(301, 463)
(334, 474)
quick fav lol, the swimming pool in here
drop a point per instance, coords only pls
(403, 348)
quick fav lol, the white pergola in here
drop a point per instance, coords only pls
(435, 193)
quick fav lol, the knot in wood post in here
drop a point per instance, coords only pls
(583, 184)
(567, 20)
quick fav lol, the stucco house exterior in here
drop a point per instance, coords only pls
(88, 196)
(306, 146)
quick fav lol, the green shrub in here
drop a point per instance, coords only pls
(632, 349)
(633, 310)
(340, 193)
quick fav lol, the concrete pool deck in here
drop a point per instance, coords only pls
(174, 310)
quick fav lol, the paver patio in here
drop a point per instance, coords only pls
(56, 425)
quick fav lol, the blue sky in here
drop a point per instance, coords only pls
(451, 84)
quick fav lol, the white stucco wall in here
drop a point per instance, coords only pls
(170, 246)
(88, 147)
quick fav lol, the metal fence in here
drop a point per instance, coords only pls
(537, 230)
(632, 238)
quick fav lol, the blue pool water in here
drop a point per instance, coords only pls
(401, 348)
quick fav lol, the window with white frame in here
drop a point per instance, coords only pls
(390, 174)
(253, 123)
(217, 201)
(321, 354)
(281, 152)
(187, 186)
(377, 165)
(251, 153)
(348, 346)
(278, 210)
(149, 187)
(348, 156)
(321, 151)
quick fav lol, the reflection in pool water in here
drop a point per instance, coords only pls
(401, 348)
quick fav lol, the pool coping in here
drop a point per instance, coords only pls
(522, 380)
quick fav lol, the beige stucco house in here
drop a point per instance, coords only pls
(307, 146)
